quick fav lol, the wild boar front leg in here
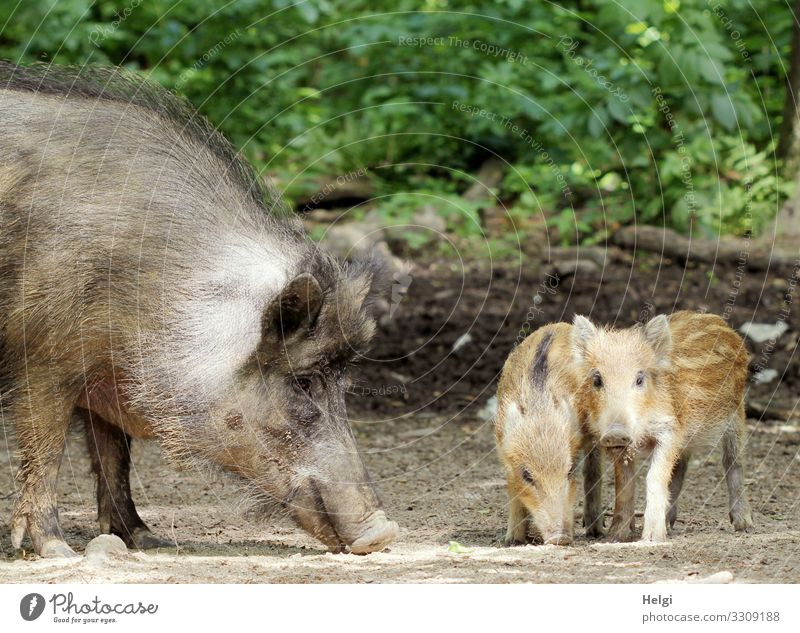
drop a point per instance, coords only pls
(592, 490)
(732, 449)
(675, 485)
(41, 422)
(662, 463)
(110, 452)
(622, 524)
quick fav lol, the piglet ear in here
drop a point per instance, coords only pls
(657, 334)
(583, 332)
(294, 310)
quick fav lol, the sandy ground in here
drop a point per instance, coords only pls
(441, 481)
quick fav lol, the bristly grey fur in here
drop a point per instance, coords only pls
(103, 83)
(138, 256)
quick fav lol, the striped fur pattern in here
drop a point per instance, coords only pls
(539, 435)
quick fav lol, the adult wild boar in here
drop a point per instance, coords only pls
(152, 286)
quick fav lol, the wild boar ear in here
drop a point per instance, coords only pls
(295, 308)
(583, 331)
(657, 334)
(373, 278)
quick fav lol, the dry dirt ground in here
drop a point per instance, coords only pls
(441, 482)
(417, 421)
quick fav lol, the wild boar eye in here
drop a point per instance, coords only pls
(527, 477)
(303, 383)
(640, 379)
(597, 380)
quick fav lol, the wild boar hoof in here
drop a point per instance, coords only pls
(510, 541)
(742, 523)
(55, 548)
(143, 538)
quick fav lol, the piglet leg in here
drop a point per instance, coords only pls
(662, 464)
(592, 488)
(622, 525)
(675, 486)
(732, 445)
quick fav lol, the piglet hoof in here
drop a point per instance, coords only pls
(619, 536)
(655, 536)
(56, 548)
(510, 541)
(595, 531)
(142, 538)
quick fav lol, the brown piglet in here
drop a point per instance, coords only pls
(671, 387)
(539, 437)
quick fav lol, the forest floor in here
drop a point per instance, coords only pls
(417, 414)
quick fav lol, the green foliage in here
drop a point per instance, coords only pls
(662, 111)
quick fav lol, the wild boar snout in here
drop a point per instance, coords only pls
(377, 533)
(337, 528)
(342, 507)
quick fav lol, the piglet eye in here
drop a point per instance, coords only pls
(527, 477)
(597, 380)
(640, 379)
(303, 383)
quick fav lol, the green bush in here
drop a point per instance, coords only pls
(659, 110)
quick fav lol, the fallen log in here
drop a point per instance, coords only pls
(489, 177)
(772, 410)
(725, 251)
(327, 193)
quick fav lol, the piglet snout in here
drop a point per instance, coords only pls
(616, 437)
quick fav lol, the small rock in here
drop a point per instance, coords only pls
(765, 376)
(489, 410)
(427, 217)
(351, 239)
(575, 267)
(762, 332)
(720, 578)
(461, 341)
(105, 545)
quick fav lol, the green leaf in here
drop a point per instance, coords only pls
(723, 110)
(618, 110)
(711, 70)
(636, 28)
(595, 125)
(457, 548)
